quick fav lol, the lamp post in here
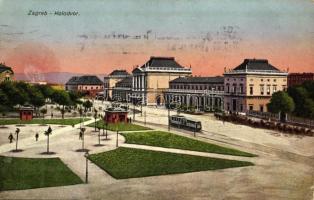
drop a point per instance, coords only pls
(83, 136)
(145, 117)
(86, 172)
(106, 130)
(17, 131)
(117, 139)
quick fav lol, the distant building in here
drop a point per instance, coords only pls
(111, 80)
(202, 93)
(6, 73)
(90, 85)
(299, 78)
(122, 89)
(152, 79)
(250, 85)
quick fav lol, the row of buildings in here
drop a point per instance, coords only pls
(163, 81)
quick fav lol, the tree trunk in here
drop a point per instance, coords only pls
(17, 139)
(48, 143)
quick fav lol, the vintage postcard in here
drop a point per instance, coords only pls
(156, 99)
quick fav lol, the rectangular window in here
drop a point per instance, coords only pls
(228, 89)
(284, 87)
(275, 88)
(268, 90)
(251, 107)
(241, 88)
(262, 89)
(251, 90)
(234, 88)
(261, 108)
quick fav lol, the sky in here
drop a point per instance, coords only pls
(105, 35)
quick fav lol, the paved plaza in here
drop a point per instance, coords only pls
(284, 168)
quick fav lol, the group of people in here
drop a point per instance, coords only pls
(11, 137)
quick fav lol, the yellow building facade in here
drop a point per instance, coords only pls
(250, 85)
(6, 73)
(152, 79)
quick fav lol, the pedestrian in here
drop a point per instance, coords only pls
(36, 136)
(11, 138)
(51, 115)
(81, 135)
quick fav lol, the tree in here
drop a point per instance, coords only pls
(299, 95)
(36, 98)
(282, 103)
(87, 105)
(62, 98)
(43, 111)
(47, 133)
(14, 95)
(46, 90)
(4, 101)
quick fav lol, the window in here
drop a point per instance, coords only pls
(268, 90)
(234, 88)
(275, 88)
(85, 88)
(261, 108)
(274, 80)
(251, 107)
(241, 107)
(241, 88)
(284, 87)
(228, 89)
(262, 80)
(91, 87)
(262, 89)
(251, 90)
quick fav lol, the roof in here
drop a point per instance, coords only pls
(3, 68)
(255, 64)
(162, 62)
(198, 79)
(126, 81)
(119, 72)
(84, 80)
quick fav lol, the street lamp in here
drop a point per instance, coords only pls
(17, 131)
(117, 139)
(86, 172)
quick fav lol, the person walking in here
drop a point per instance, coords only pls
(11, 138)
(81, 135)
(36, 136)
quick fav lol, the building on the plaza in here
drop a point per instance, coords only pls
(26, 113)
(152, 79)
(111, 80)
(122, 90)
(116, 115)
(201, 93)
(6, 73)
(89, 85)
(250, 85)
(299, 78)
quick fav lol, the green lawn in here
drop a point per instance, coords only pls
(124, 163)
(66, 121)
(26, 173)
(170, 140)
(120, 126)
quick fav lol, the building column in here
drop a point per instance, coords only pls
(143, 82)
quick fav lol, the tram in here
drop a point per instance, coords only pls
(185, 123)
